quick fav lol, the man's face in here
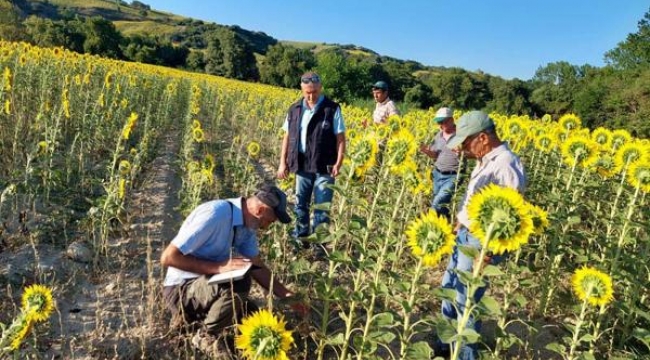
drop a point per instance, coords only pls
(475, 146)
(264, 217)
(448, 125)
(379, 95)
(311, 92)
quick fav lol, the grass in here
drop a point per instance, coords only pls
(145, 27)
(99, 5)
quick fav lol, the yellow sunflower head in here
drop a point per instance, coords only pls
(253, 148)
(430, 238)
(638, 175)
(42, 147)
(208, 162)
(570, 122)
(580, 150)
(544, 142)
(37, 302)
(605, 165)
(602, 136)
(363, 153)
(619, 137)
(593, 286)
(400, 148)
(124, 167)
(197, 135)
(539, 217)
(196, 124)
(263, 336)
(21, 333)
(627, 154)
(500, 214)
(547, 118)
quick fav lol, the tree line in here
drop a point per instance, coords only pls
(615, 95)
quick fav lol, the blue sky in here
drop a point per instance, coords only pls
(509, 38)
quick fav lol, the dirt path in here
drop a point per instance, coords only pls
(118, 314)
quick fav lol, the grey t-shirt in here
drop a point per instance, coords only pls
(447, 159)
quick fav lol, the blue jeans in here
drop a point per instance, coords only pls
(306, 184)
(451, 280)
(443, 191)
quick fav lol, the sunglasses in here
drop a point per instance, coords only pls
(310, 79)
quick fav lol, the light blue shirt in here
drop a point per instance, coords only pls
(307, 114)
(207, 234)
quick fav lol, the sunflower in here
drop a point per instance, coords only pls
(253, 148)
(430, 238)
(20, 334)
(124, 167)
(569, 122)
(627, 154)
(42, 147)
(264, 337)
(593, 286)
(605, 165)
(196, 124)
(400, 148)
(619, 137)
(602, 136)
(544, 142)
(505, 211)
(638, 175)
(208, 162)
(37, 302)
(547, 118)
(121, 188)
(197, 135)
(539, 217)
(128, 127)
(363, 153)
(580, 150)
(382, 131)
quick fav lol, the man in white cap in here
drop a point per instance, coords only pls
(496, 164)
(447, 163)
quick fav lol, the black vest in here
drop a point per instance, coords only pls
(320, 149)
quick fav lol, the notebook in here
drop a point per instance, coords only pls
(230, 275)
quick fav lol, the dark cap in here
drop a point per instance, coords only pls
(380, 85)
(276, 199)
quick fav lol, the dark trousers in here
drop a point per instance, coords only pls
(214, 306)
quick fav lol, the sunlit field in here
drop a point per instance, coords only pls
(82, 140)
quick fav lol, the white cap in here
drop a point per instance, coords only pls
(442, 114)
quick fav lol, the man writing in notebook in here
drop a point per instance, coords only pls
(217, 237)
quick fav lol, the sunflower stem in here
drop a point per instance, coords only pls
(576, 331)
(406, 328)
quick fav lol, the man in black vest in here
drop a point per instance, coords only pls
(313, 148)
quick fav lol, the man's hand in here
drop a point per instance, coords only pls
(234, 264)
(336, 169)
(456, 228)
(282, 171)
(424, 148)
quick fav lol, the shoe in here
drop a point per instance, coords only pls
(211, 346)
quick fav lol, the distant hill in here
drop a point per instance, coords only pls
(137, 18)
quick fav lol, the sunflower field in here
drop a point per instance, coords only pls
(78, 139)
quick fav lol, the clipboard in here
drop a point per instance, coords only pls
(228, 276)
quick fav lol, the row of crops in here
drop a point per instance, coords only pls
(77, 132)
